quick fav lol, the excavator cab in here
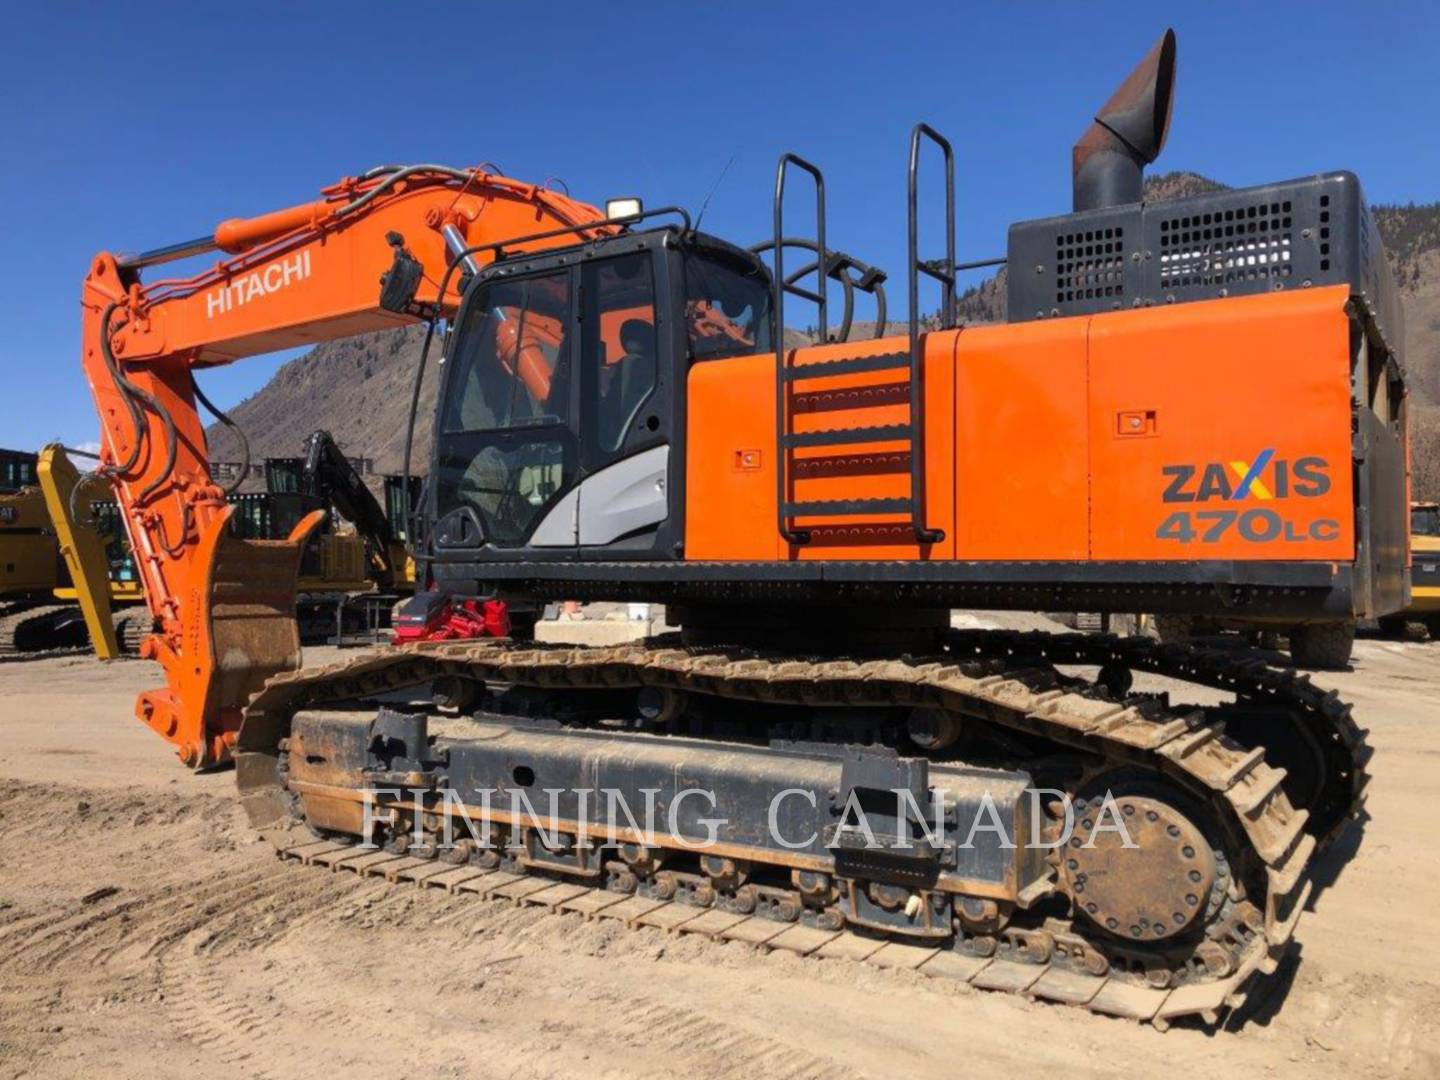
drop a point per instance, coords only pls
(17, 470)
(29, 559)
(1424, 604)
(557, 425)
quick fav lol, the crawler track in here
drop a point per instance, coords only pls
(23, 632)
(26, 633)
(1320, 716)
(1007, 682)
(132, 626)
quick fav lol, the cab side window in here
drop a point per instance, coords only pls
(627, 347)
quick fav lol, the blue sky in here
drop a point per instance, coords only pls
(131, 126)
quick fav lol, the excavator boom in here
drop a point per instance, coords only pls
(370, 253)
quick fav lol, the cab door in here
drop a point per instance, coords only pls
(623, 497)
(507, 449)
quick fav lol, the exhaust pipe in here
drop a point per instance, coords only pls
(1128, 133)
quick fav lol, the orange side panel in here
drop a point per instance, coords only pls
(1021, 442)
(730, 470)
(730, 460)
(1214, 430)
(874, 470)
(1221, 430)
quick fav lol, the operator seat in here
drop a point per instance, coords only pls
(633, 378)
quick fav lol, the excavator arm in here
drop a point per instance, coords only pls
(328, 474)
(371, 253)
(82, 548)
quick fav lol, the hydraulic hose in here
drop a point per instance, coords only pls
(126, 387)
(132, 393)
(171, 442)
(137, 419)
(239, 434)
(410, 515)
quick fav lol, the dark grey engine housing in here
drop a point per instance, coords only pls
(1297, 234)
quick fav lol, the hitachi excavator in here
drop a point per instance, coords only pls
(1203, 394)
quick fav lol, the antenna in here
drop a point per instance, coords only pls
(713, 188)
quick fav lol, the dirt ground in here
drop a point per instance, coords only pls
(214, 959)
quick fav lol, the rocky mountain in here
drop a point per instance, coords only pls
(359, 389)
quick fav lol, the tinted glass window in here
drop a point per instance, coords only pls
(282, 475)
(511, 483)
(18, 472)
(512, 362)
(505, 448)
(727, 308)
(1425, 521)
(625, 301)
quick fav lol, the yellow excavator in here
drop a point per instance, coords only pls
(354, 568)
(64, 578)
(1424, 574)
(69, 574)
(74, 576)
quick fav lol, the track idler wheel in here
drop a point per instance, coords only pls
(1138, 867)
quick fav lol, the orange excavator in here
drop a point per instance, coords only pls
(1201, 399)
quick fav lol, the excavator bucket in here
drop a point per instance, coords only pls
(241, 633)
(252, 610)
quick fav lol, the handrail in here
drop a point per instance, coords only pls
(850, 272)
(945, 274)
(781, 286)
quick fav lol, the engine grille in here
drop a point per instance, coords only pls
(1292, 235)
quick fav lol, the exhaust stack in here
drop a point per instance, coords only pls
(1128, 133)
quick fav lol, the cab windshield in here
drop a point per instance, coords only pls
(727, 307)
(512, 367)
(1425, 521)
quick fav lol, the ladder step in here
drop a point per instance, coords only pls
(820, 370)
(845, 507)
(843, 436)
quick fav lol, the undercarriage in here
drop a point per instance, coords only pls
(1008, 809)
(33, 630)
(40, 628)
